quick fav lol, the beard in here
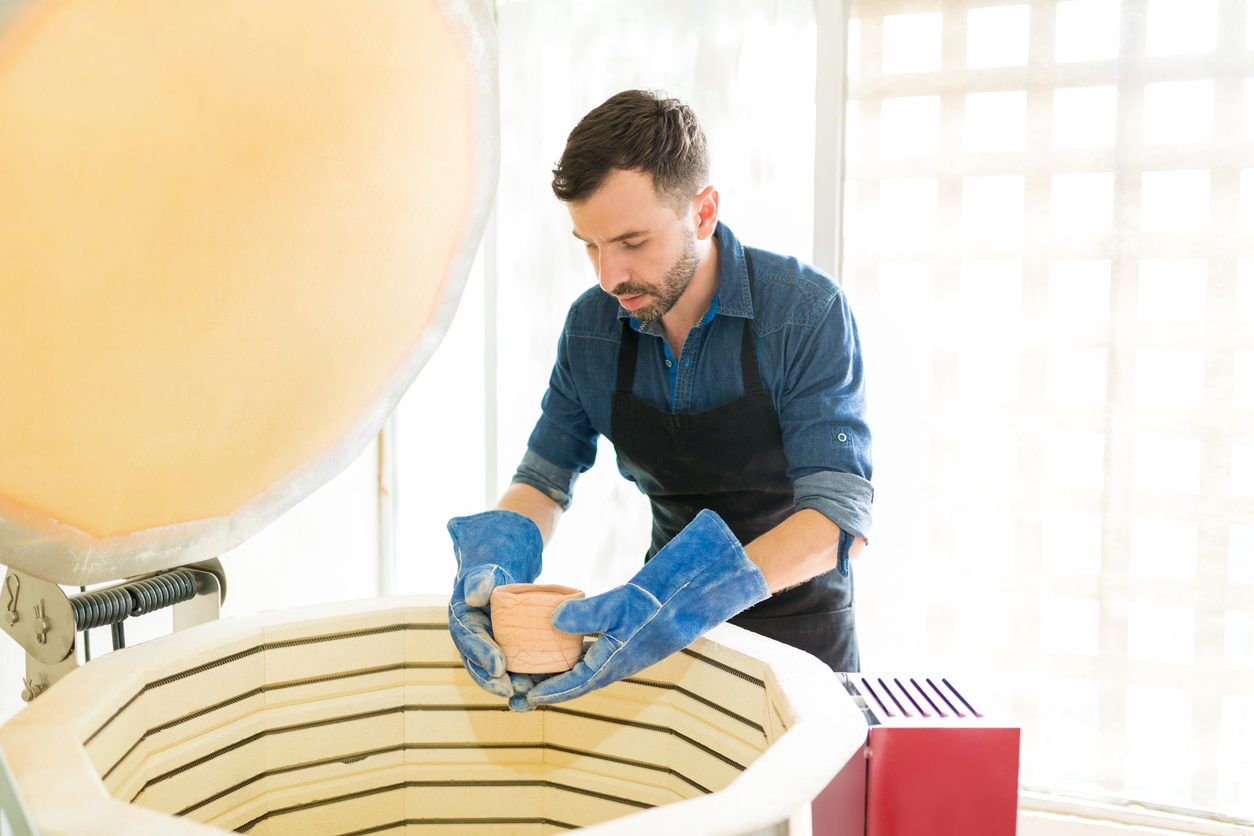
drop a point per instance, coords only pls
(664, 295)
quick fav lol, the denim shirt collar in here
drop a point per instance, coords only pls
(732, 297)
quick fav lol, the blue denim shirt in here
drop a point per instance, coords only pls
(809, 358)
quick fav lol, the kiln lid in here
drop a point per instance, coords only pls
(231, 234)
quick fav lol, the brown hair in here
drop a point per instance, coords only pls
(636, 130)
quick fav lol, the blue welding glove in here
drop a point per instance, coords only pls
(697, 581)
(493, 549)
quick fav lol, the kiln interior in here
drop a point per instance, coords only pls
(371, 725)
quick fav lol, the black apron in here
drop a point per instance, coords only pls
(731, 460)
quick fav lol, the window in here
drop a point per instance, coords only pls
(1057, 302)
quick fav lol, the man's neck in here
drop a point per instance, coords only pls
(692, 306)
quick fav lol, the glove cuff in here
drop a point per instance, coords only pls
(708, 555)
(498, 537)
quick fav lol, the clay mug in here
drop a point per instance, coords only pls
(522, 624)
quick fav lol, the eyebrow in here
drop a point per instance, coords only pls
(635, 233)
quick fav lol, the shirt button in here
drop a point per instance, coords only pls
(842, 437)
(668, 364)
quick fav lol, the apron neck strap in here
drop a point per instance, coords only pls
(748, 344)
(627, 349)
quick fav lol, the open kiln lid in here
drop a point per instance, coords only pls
(231, 234)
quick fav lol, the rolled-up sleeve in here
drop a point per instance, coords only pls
(557, 483)
(823, 418)
(843, 498)
(563, 443)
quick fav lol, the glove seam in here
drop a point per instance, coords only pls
(467, 629)
(608, 659)
(652, 597)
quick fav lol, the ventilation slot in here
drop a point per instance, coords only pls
(925, 697)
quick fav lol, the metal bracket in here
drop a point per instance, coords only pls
(210, 593)
(40, 617)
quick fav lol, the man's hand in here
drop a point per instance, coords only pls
(698, 580)
(493, 549)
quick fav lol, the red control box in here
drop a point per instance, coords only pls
(935, 763)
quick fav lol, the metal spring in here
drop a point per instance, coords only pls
(116, 603)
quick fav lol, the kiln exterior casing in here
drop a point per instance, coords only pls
(359, 717)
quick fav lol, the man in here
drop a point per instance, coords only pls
(730, 383)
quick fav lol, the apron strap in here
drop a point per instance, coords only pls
(627, 349)
(748, 344)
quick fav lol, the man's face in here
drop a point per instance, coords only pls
(644, 254)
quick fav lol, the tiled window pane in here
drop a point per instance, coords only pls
(1068, 752)
(912, 43)
(907, 209)
(995, 121)
(1241, 553)
(905, 373)
(1079, 289)
(1159, 761)
(1070, 625)
(1175, 201)
(1087, 30)
(854, 222)
(1163, 549)
(991, 551)
(1236, 750)
(1171, 290)
(1169, 378)
(1168, 464)
(1243, 467)
(1245, 287)
(991, 291)
(989, 454)
(1247, 123)
(1084, 117)
(1160, 633)
(1075, 377)
(1073, 544)
(1182, 27)
(992, 207)
(853, 125)
(1178, 111)
(905, 298)
(1239, 639)
(997, 37)
(1075, 461)
(989, 374)
(854, 47)
(1246, 211)
(1243, 380)
(910, 126)
(1082, 203)
(906, 291)
(984, 621)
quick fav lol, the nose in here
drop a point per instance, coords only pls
(611, 270)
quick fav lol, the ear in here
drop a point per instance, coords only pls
(705, 212)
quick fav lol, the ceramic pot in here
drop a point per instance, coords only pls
(522, 624)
